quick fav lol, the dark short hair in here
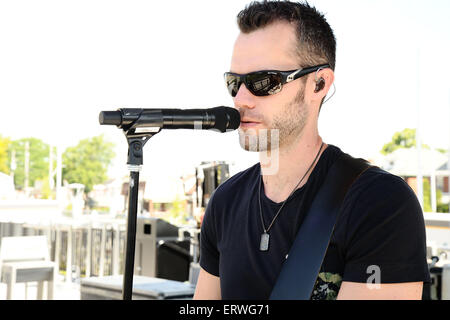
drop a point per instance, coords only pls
(316, 41)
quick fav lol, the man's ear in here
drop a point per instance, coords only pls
(323, 80)
(319, 85)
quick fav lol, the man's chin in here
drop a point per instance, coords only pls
(253, 142)
(249, 148)
(246, 130)
(248, 139)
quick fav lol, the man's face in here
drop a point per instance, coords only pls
(284, 113)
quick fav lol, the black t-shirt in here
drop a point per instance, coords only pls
(381, 224)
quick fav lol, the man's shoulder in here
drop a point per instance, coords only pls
(380, 194)
(378, 182)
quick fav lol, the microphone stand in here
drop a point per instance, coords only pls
(136, 142)
(134, 123)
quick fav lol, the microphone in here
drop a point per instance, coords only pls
(219, 118)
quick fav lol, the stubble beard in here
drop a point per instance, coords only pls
(286, 128)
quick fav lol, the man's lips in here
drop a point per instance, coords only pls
(249, 123)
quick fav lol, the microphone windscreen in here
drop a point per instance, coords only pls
(226, 118)
(110, 117)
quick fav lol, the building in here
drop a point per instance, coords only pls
(404, 162)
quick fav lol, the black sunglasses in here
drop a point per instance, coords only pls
(266, 82)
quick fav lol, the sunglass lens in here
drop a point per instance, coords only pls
(264, 83)
(233, 83)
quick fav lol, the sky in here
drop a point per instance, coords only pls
(62, 62)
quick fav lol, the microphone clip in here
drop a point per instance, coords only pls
(137, 136)
(136, 142)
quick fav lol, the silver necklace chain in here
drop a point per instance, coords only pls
(284, 202)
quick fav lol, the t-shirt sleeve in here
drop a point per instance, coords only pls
(209, 254)
(385, 235)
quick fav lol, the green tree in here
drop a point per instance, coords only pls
(4, 145)
(426, 195)
(38, 160)
(402, 139)
(88, 162)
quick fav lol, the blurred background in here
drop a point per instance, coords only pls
(62, 62)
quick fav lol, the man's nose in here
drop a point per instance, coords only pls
(244, 98)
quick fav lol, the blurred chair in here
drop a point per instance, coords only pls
(26, 259)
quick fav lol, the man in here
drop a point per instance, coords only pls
(377, 250)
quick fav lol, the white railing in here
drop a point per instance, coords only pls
(86, 246)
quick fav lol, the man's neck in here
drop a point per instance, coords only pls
(292, 164)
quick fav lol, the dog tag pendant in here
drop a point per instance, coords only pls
(264, 244)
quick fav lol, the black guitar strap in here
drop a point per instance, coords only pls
(299, 273)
